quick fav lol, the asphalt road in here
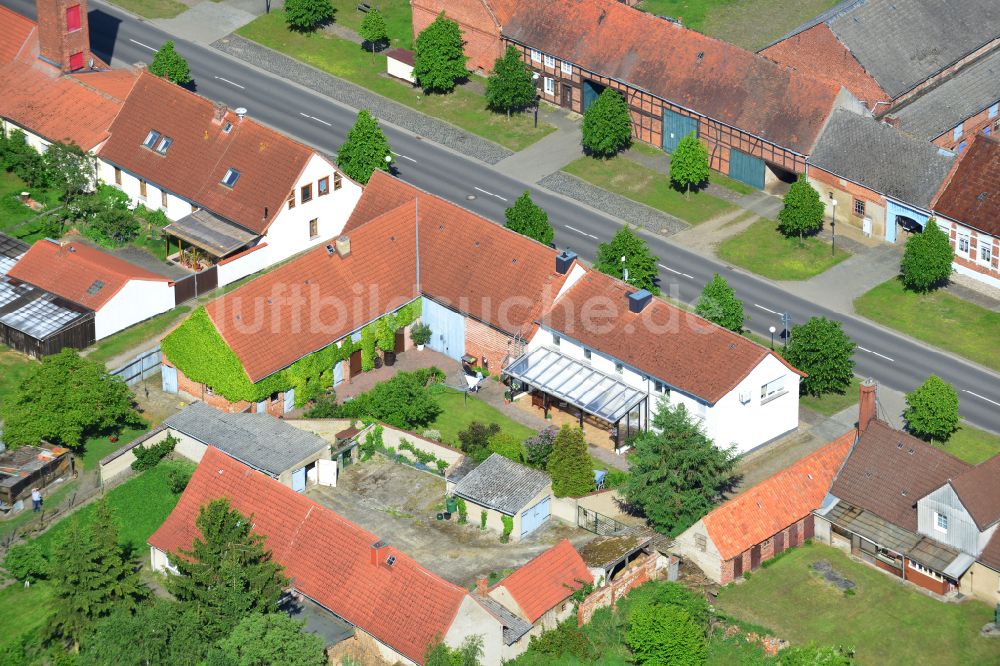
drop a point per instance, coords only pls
(895, 361)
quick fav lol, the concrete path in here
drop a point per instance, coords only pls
(206, 22)
(837, 287)
(548, 155)
(706, 237)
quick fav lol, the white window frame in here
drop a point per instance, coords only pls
(956, 133)
(536, 55)
(549, 61)
(550, 85)
(963, 239)
(772, 389)
(985, 255)
(566, 68)
(994, 110)
(938, 521)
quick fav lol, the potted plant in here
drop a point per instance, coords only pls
(421, 335)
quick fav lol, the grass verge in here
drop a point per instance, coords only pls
(885, 621)
(972, 444)
(152, 9)
(764, 251)
(939, 318)
(463, 108)
(456, 415)
(649, 187)
(397, 14)
(121, 342)
(831, 403)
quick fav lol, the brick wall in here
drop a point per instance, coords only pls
(976, 239)
(845, 193)
(479, 28)
(970, 127)
(55, 42)
(640, 571)
(482, 340)
(927, 582)
(766, 550)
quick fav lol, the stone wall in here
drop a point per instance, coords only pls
(640, 571)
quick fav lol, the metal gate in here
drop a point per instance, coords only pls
(598, 523)
(289, 400)
(746, 169)
(142, 366)
(447, 329)
(195, 285)
(168, 378)
(299, 480)
(532, 519)
(675, 128)
(338, 373)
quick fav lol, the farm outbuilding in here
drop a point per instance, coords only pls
(501, 487)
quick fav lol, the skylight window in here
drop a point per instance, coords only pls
(151, 139)
(164, 145)
(96, 287)
(227, 128)
(232, 175)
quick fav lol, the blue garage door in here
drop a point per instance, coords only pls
(675, 128)
(447, 329)
(591, 91)
(168, 376)
(532, 518)
(746, 169)
(299, 480)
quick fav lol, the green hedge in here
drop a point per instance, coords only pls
(196, 349)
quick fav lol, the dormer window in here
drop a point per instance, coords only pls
(164, 145)
(151, 139)
(232, 175)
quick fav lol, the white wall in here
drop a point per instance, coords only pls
(176, 208)
(473, 620)
(34, 140)
(708, 560)
(137, 301)
(962, 532)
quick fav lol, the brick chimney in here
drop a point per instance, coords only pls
(63, 35)
(376, 551)
(867, 410)
(482, 586)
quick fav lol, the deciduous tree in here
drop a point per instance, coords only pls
(932, 410)
(26, 562)
(570, 465)
(306, 15)
(676, 473)
(71, 169)
(509, 87)
(168, 63)
(640, 262)
(262, 640)
(365, 150)
(689, 163)
(927, 259)
(528, 219)
(469, 653)
(802, 213)
(373, 30)
(665, 635)
(537, 449)
(65, 399)
(718, 304)
(439, 61)
(227, 573)
(607, 125)
(821, 349)
(475, 439)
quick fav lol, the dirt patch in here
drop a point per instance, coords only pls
(832, 576)
(399, 504)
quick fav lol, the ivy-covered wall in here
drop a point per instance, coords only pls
(196, 349)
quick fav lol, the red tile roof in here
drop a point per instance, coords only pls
(971, 192)
(991, 554)
(331, 296)
(269, 163)
(979, 490)
(888, 470)
(71, 269)
(709, 76)
(15, 31)
(781, 500)
(326, 557)
(547, 580)
(676, 346)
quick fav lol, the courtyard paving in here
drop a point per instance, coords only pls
(399, 504)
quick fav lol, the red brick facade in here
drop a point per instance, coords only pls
(976, 239)
(480, 28)
(927, 582)
(484, 341)
(970, 127)
(791, 536)
(637, 573)
(846, 193)
(63, 34)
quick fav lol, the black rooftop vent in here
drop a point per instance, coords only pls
(564, 260)
(638, 300)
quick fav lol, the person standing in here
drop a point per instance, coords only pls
(36, 500)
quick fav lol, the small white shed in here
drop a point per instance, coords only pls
(399, 63)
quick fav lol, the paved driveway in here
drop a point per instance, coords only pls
(399, 505)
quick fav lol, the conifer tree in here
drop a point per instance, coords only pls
(569, 465)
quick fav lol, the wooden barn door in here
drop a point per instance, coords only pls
(755, 557)
(779, 542)
(738, 566)
(355, 364)
(793, 536)
(809, 527)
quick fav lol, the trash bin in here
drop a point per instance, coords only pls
(452, 504)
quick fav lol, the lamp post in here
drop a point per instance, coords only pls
(534, 77)
(772, 330)
(833, 225)
(388, 162)
(624, 270)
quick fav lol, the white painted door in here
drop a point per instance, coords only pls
(326, 473)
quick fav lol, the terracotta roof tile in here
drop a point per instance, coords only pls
(268, 162)
(991, 554)
(971, 193)
(547, 580)
(676, 346)
(777, 502)
(979, 490)
(888, 470)
(707, 75)
(71, 270)
(15, 31)
(326, 557)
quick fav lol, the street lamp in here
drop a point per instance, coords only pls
(833, 225)
(772, 330)
(535, 77)
(388, 162)
(624, 270)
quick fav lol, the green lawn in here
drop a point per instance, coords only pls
(831, 403)
(639, 183)
(457, 415)
(95, 448)
(152, 8)
(14, 367)
(764, 251)
(751, 24)
(972, 444)
(939, 318)
(397, 15)
(885, 622)
(24, 610)
(463, 108)
(714, 177)
(125, 340)
(14, 214)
